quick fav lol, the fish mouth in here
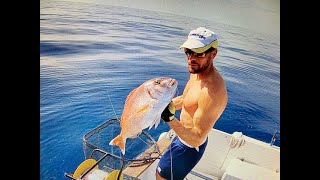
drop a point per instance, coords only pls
(172, 82)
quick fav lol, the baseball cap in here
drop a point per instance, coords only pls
(200, 40)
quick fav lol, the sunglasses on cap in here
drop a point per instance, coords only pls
(189, 52)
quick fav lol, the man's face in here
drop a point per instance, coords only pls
(197, 62)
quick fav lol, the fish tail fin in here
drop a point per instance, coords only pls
(119, 141)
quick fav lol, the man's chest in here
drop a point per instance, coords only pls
(191, 97)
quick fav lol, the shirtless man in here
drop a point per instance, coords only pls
(202, 103)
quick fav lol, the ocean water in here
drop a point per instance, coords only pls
(93, 55)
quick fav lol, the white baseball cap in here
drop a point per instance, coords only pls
(200, 40)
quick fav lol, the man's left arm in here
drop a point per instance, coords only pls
(178, 102)
(204, 118)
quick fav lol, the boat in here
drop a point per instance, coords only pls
(227, 157)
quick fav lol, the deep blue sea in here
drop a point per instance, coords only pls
(93, 55)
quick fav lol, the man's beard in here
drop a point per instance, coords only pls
(198, 69)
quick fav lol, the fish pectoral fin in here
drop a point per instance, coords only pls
(140, 113)
(143, 109)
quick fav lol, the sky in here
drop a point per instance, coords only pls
(259, 15)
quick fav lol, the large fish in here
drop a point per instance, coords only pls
(143, 108)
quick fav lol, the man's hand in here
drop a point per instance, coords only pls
(168, 113)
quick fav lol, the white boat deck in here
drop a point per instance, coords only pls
(230, 157)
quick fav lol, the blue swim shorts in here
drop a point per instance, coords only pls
(184, 159)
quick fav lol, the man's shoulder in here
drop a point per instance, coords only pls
(215, 88)
(214, 82)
